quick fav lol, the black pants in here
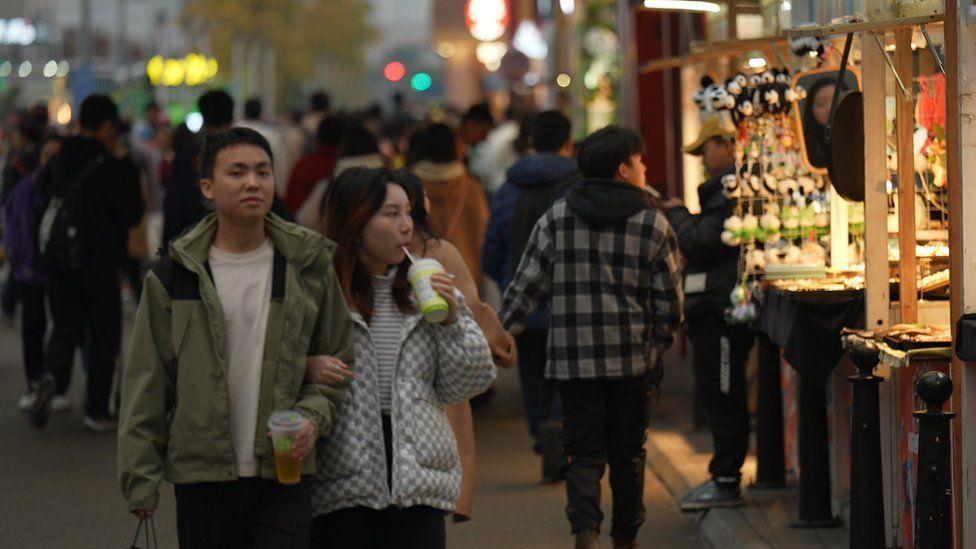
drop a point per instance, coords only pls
(720, 353)
(33, 319)
(540, 396)
(392, 528)
(250, 513)
(87, 313)
(605, 421)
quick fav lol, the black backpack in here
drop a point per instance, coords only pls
(533, 204)
(61, 231)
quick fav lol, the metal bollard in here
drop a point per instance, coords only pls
(867, 493)
(933, 492)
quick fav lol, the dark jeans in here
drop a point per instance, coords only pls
(87, 311)
(392, 528)
(33, 319)
(605, 421)
(539, 395)
(720, 353)
(244, 514)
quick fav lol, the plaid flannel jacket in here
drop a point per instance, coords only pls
(615, 291)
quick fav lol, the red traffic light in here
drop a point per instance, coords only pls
(394, 71)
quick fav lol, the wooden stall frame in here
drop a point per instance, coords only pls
(960, 49)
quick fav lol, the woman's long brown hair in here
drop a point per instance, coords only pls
(350, 202)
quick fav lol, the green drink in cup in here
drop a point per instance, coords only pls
(434, 307)
(285, 425)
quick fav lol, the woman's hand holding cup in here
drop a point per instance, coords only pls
(443, 284)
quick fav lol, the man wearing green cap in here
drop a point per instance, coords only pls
(720, 350)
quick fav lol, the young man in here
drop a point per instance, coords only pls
(609, 263)
(184, 205)
(100, 200)
(534, 183)
(224, 325)
(720, 349)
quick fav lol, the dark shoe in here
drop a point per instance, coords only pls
(40, 411)
(711, 494)
(587, 539)
(617, 544)
(551, 448)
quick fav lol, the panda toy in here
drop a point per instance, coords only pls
(699, 95)
(755, 96)
(811, 46)
(737, 87)
(768, 93)
(783, 88)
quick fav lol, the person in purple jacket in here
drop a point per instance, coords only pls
(22, 212)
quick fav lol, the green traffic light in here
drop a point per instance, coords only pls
(421, 81)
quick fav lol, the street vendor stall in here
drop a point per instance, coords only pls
(907, 239)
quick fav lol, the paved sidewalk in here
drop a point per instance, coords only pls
(680, 456)
(59, 487)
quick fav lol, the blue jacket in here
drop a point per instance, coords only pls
(536, 171)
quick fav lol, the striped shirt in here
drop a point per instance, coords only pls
(385, 328)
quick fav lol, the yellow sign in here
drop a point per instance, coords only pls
(192, 70)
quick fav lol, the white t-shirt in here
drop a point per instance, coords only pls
(243, 284)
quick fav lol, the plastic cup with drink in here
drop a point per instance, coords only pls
(285, 426)
(434, 307)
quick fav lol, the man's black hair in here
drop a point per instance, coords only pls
(550, 130)
(478, 112)
(436, 144)
(602, 153)
(96, 110)
(319, 101)
(357, 142)
(329, 131)
(252, 109)
(220, 140)
(151, 106)
(217, 108)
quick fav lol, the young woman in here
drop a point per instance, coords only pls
(390, 470)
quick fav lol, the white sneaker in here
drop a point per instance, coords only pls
(25, 402)
(60, 403)
(100, 425)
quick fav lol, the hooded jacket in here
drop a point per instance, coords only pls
(175, 419)
(532, 180)
(451, 189)
(610, 264)
(699, 237)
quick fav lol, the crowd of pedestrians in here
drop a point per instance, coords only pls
(287, 279)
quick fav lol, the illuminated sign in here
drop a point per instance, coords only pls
(486, 19)
(192, 70)
(17, 32)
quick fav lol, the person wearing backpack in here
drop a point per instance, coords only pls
(22, 212)
(93, 199)
(534, 183)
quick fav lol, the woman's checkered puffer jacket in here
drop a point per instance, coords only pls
(437, 365)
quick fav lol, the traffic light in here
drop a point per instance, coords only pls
(394, 71)
(421, 82)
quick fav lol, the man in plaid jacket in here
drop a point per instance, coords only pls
(609, 262)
